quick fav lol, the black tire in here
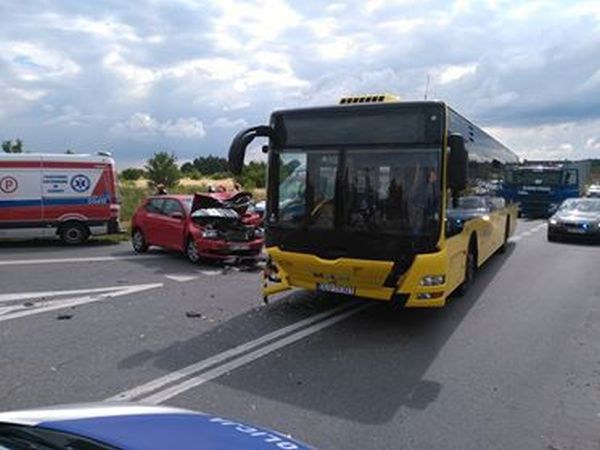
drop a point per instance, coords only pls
(74, 233)
(551, 237)
(138, 241)
(191, 251)
(470, 268)
(504, 245)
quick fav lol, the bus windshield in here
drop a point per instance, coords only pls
(388, 191)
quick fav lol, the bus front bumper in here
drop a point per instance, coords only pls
(423, 285)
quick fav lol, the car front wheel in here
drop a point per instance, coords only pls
(191, 251)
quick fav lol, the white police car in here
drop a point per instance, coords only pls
(110, 426)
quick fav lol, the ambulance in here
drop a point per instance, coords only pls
(53, 195)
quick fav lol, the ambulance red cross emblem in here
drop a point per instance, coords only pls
(8, 185)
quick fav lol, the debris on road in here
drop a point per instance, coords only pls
(193, 315)
(64, 316)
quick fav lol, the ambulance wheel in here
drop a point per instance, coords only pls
(74, 233)
(138, 241)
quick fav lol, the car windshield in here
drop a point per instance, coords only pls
(581, 205)
(472, 203)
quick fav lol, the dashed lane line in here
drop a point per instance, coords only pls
(528, 233)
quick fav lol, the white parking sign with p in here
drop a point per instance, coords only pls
(8, 184)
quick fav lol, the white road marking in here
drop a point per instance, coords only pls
(18, 311)
(329, 318)
(196, 381)
(28, 295)
(21, 262)
(210, 272)
(181, 278)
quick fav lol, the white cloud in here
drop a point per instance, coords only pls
(568, 140)
(34, 62)
(593, 145)
(143, 125)
(500, 62)
(455, 73)
(107, 28)
(402, 25)
(68, 115)
(224, 122)
(13, 100)
(184, 128)
(247, 25)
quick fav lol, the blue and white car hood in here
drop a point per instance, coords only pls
(145, 427)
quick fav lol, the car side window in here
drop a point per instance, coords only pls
(155, 205)
(171, 206)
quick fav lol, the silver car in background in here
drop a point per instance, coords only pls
(576, 218)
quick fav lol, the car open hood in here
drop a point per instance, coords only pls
(219, 200)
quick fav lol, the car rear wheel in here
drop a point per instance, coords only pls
(74, 233)
(191, 251)
(138, 242)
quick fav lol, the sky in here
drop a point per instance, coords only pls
(136, 77)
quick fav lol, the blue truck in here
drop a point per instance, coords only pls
(540, 187)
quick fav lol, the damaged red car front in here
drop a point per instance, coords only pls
(225, 227)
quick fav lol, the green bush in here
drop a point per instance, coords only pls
(253, 175)
(162, 169)
(131, 197)
(132, 173)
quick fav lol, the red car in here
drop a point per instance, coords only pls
(214, 226)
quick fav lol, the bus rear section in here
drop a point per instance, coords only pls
(69, 196)
(358, 200)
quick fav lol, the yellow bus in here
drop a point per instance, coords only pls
(379, 198)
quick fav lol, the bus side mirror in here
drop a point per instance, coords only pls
(240, 142)
(458, 163)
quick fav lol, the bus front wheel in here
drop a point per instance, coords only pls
(470, 268)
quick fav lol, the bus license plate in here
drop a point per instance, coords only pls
(336, 289)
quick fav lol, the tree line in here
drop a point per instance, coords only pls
(162, 168)
(12, 146)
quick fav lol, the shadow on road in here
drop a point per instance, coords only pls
(363, 369)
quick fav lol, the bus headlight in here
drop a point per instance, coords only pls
(432, 280)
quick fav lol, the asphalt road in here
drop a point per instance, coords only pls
(513, 364)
